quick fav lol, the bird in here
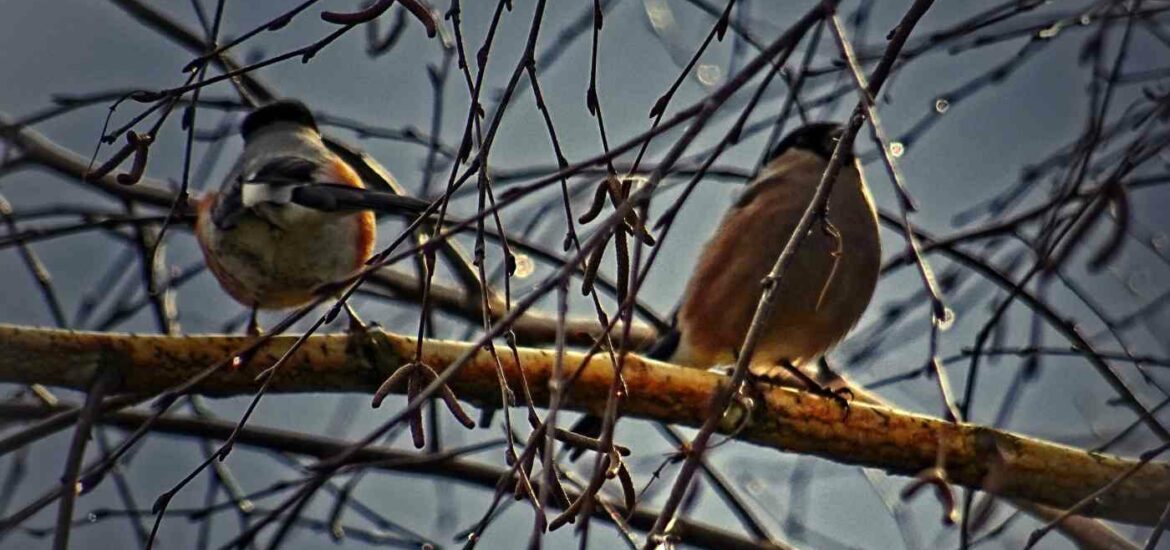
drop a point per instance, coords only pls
(824, 290)
(820, 296)
(292, 215)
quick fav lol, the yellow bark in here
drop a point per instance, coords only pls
(1007, 464)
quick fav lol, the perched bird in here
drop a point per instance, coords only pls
(291, 216)
(822, 293)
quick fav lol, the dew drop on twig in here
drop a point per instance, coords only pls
(1049, 32)
(947, 321)
(524, 266)
(709, 74)
(1160, 242)
(661, 18)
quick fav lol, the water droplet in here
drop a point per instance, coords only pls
(941, 105)
(709, 74)
(947, 321)
(897, 149)
(754, 486)
(91, 517)
(1139, 281)
(79, 487)
(1160, 242)
(1050, 32)
(1086, 19)
(524, 266)
(661, 18)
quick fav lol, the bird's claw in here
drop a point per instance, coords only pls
(356, 326)
(254, 330)
(842, 396)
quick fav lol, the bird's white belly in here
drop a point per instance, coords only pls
(279, 264)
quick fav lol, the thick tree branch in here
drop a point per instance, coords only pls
(901, 443)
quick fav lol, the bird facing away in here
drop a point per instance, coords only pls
(821, 295)
(264, 246)
(825, 288)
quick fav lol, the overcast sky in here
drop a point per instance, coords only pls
(978, 146)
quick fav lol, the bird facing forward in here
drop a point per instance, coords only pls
(820, 296)
(823, 292)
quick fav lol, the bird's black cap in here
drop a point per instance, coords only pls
(285, 110)
(819, 137)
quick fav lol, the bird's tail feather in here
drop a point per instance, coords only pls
(663, 348)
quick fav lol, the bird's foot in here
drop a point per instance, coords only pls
(253, 329)
(842, 396)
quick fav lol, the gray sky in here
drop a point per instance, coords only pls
(975, 149)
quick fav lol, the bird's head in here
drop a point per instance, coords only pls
(819, 138)
(283, 111)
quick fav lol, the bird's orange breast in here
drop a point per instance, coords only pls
(366, 232)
